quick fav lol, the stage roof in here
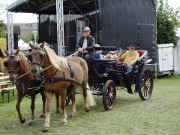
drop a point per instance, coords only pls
(49, 6)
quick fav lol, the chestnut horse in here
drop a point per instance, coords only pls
(58, 68)
(18, 65)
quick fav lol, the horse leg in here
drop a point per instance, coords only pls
(63, 106)
(44, 103)
(48, 110)
(19, 99)
(86, 106)
(31, 122)
(73, 105)
(57, 103)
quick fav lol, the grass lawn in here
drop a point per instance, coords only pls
(160, 115)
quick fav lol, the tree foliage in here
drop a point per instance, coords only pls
(3, 29)
(29, 37)
(167, 23)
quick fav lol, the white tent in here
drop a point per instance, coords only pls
(23, 45)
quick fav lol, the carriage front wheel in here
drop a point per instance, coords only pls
(146, 85)
(109, 95)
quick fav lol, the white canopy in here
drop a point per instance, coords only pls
(23, 45)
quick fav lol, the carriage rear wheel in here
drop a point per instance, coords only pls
(109, 95)
(146, 85)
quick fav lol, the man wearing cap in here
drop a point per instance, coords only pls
(130, 57)
(86, 43)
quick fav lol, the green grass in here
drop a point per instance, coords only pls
(160, 115)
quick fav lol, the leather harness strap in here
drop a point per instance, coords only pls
(28, 82)
(72, 80)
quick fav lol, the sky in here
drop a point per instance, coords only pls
(31, 18)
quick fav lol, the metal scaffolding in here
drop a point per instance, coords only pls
(60, 27)
(10, 32)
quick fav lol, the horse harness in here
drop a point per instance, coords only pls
(72, 80)
(12, 56)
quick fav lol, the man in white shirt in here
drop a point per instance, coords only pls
(86, 44)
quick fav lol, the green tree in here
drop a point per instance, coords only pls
(20, 37)
(30, 36)
(167, 23)
(3, 29)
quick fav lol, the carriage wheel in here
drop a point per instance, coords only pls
(146, 85)
(109, 95)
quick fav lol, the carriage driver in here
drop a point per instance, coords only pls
(130, 57)
(85, 44)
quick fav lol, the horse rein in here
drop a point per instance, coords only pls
(70, 56)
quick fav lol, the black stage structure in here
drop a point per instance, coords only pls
(113, 22)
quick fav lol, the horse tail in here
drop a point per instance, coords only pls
(90, 100)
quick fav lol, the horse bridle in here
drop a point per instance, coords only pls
(42, 56)
(11, 56)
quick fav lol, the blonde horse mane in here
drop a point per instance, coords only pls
(57, 61)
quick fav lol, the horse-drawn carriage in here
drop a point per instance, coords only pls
(61, 77)
(106, 74)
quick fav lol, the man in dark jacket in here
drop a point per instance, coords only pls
(86, 44)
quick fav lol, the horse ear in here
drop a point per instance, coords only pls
(16, 53)
(42, 45)
(32, 46)
(6, 52)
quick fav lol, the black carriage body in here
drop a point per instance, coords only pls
(102, 70)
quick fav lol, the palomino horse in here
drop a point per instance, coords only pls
(18, 65)
(57, 79)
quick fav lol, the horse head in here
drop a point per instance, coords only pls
(36, 57)
(12, 64)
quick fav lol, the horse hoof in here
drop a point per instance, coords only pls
(22, 121)
(45, 129)
(64, 123)
(87, 110)
(57, 111)
(42, 116)
(71, 116)
(32, 123)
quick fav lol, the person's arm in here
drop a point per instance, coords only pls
(123, 56)
(135, 59)
(92, 43)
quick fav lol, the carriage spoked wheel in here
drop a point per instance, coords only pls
(146, 85)
(109, 95)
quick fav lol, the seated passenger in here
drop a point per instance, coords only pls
(130, 57)
(98, 54)
(85, 44)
